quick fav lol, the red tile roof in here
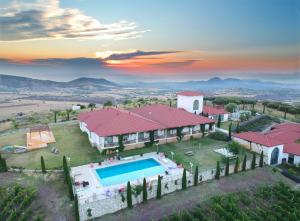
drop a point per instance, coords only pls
(170, 117)
(113, 121)
(258, 138)
(287, 134)
(190, 93)
(210, 110)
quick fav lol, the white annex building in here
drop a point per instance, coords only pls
(280, 144)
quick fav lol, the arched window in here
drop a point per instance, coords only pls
(274, 156)
(196, 105)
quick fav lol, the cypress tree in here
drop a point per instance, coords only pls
(229, 131)
(219, 121)
(158, 194)
(196, 177)
(145, 194)
(244, 165)
(4, 165)
(227, 167)
(43, 165)
(70, 187)
(184, 179)
(264, 108)
(76, 208)
(253, 162)
(285, 113)
(66, 168)
(217, 176)
(261, 159)
(236, 166)
(129, 195)
(238, 127)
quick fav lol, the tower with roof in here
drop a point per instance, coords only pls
(191, 101)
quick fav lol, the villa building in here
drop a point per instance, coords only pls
(215, 112)
(105, 126)
(280, 144)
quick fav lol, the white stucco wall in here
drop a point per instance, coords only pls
(258, 148)
(296, 160)
(186, 102)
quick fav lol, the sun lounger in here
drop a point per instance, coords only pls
(189, 153)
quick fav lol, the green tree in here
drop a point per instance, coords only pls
(65, 168)
(184, 181)
(202, 127)
(236, 166)
(3, 165)
(108, 104)
(179, 133)
(219, 121)
(43, 165)
(227, 167)
(69, 111)
(253, 162)
(229, 131)
(261, 159)
(244, 165)
(218, 171)
(145, 194)
(55, 113)
(92, 106)
(158, 193)
(70, 187)
(120, 142)
(151, 136)
(129, 195)
(196, 177)
(231, 107)
(76, 208)
(237, 127)
(264, 108)
(285, 110)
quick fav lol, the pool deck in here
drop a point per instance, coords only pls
(95, 190)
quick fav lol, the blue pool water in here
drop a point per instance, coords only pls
(129, 171)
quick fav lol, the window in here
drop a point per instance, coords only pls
(196, 105)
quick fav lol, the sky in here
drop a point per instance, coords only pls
(165, 40)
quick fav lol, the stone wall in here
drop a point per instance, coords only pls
(100, 206)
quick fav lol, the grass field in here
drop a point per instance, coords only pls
(274, 113)
(71, 142)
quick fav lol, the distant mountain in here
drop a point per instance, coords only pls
(213, 84)
(16, 83)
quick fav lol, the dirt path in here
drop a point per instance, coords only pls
(157, 209)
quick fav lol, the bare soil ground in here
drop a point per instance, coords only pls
(52, 200)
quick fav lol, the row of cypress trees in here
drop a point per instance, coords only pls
(237, 165)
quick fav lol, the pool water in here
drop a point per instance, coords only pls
(131, 171)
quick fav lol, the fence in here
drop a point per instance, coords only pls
(99, 205)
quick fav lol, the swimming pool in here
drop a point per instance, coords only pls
(131, 171)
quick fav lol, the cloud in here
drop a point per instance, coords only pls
(134, 54)
(45, 19)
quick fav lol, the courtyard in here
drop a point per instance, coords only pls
(71, 142)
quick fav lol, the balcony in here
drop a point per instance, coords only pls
(111, 144)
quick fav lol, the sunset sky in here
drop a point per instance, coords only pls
(129, 40)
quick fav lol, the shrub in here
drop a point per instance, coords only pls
(158, 193)
(129, 195)
(235, 147)
(184, 181)
(217, 175)
(218, 136)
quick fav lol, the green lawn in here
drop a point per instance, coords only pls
(71, 142)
